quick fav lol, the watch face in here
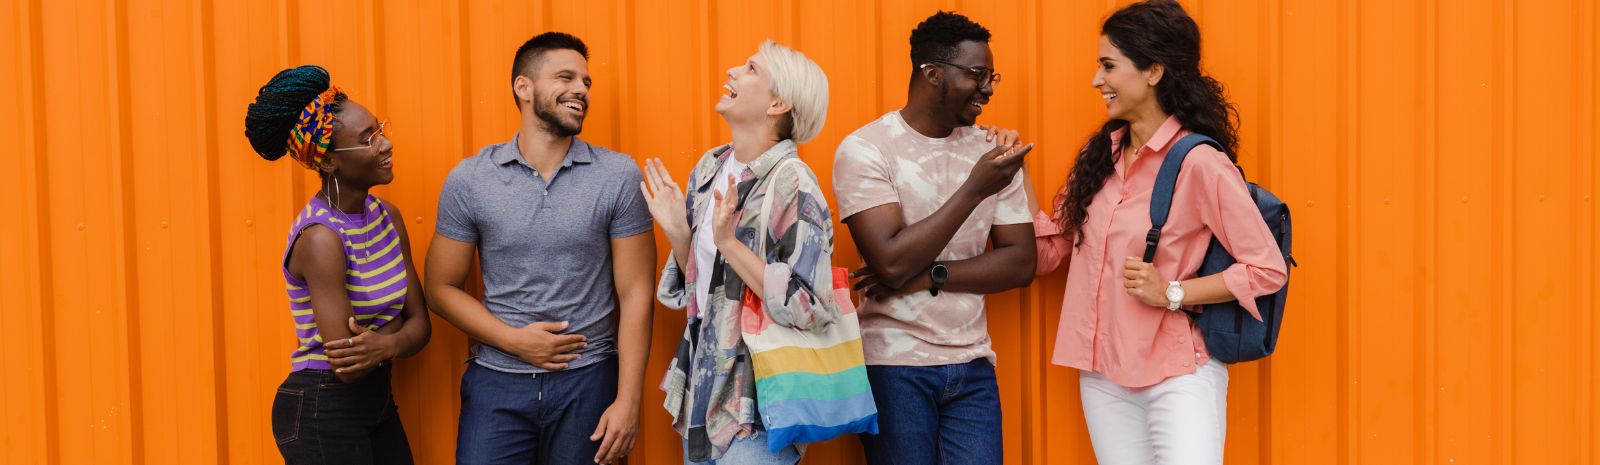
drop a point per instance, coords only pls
(939, 272)
(1175, 293)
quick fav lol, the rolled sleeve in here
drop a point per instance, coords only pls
(1247, 282)
(798, 279)
(670, 289)
(1052, 245)
(1232, 216)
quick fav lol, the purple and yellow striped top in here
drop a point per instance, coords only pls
(375, 276)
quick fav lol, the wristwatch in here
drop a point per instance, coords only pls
(938, 274)
(1174, 295)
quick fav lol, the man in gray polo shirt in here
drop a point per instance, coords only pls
(562, 234)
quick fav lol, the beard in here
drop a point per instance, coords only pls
(556, 119)
(957, 111)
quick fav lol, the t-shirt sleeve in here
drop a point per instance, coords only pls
(630, 216)
(861, 178)
(1011, 204)
(456, 219)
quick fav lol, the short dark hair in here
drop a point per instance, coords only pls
(937, 37)
(528, 54)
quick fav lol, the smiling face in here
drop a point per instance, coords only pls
(747, 95)
(1127, 90)
(559, 91)
(962, 97)
(359, 155)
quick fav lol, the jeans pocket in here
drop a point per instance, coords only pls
(286, 409)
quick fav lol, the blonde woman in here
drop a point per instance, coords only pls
(773, 101)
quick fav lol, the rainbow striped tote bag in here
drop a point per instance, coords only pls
(811, 386)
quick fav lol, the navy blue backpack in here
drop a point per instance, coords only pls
(1231, 334)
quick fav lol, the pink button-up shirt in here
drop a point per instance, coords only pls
(1107, 331)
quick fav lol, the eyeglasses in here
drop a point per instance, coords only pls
(986, 77)
(383, 131)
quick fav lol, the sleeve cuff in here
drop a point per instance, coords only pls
(775, 285)
(455, 234)
(1240, 286)
(630, 232)
(1043, 226)
(670, 290)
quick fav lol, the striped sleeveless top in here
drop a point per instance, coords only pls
(375, 276)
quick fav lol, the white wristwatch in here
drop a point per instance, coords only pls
(1174, 295)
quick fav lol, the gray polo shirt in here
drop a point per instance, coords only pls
(544, 248)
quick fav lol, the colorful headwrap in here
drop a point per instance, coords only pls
(308, 140)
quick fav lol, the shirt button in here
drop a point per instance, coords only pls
(1182, 340)
(1187, 364)
(1198, 355)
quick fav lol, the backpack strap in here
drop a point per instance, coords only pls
(1166, 182)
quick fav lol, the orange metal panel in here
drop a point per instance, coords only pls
(1439, 156)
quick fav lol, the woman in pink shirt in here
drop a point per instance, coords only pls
(1151, 393)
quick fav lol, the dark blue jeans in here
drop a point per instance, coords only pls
(544, 418)
(943, 414)
(319, 420)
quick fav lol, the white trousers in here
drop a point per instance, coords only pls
(1181, 420)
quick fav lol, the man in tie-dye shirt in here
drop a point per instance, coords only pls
(923, 191)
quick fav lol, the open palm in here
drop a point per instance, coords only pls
(665, 199)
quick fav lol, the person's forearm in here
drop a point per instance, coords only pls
(633, 268)
(467, 314)
(633, 344)
(994, 271)
(1206, 290)
(915, 246)
(415, 330)
(680, 249)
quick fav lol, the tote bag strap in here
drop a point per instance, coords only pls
(766, 204)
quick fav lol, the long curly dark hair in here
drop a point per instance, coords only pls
(1150, 32)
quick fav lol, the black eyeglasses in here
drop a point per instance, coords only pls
(986, 77)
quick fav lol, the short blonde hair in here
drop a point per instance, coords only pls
(800, 82)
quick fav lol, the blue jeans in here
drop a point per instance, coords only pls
(544, 418)
(943, 414)
(752, 450)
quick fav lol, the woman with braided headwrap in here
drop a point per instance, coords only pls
(354, 295)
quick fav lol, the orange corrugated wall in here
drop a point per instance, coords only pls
(1439, 157)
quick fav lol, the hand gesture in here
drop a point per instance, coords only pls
(362, 352)
(542, 345)
(665, 199)
(722, 214)
(997, 167)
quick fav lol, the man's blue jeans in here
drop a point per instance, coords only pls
(943, 414)
(541, 419)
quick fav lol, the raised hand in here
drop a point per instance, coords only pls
(995, 169)
(665, 200)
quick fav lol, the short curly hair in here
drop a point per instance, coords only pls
(937, 37)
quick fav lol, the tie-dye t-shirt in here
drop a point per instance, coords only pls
(887, 162)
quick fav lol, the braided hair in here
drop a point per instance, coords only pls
(270, 120)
